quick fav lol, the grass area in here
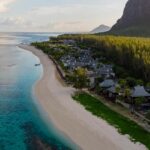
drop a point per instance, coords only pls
(123, 124)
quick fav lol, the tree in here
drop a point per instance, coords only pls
(131, 82)
(139, 101)
(127, 92)
(98, 80)
(148, 115)
(139, 82)
(122, 83)
(118, 89)
(148, 85)
(81, 80)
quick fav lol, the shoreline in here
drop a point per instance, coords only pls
(86, 130)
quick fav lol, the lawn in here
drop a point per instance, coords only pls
(123, 124)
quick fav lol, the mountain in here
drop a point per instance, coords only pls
(135, 20)
(100, 29)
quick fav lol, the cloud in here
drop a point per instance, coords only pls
(14, 21)
(69, 26)
(73, 17)
(52, 18)
(4, 5)
(79, 15)
(22, 24)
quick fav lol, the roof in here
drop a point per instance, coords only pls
(139, 91)
(113, 89)
(107, 83)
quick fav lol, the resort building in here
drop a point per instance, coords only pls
(139, 91)
(107, 83)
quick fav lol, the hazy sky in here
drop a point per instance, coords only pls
(58, 15)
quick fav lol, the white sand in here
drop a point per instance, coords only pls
(84, 129)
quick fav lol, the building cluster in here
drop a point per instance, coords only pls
(112, 90)
(83, 58)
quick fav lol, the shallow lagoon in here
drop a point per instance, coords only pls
(21, 124)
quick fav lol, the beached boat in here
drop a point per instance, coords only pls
(37, 65)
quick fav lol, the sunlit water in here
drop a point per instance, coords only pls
(21, 124)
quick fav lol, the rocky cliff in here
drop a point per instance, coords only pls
(135, 19)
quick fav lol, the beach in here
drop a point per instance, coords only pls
(84, 129)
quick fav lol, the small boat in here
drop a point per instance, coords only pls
(37, 65)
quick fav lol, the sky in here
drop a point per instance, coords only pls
(58, 15)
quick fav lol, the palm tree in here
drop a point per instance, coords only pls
(127, 92)
(118, 89)
(139, 101)
(122, 83)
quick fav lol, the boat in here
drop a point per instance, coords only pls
(37, 65)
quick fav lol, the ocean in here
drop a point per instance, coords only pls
(22, 125)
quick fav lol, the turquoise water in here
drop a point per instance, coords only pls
(21, 124)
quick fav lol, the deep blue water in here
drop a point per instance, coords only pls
(21, 124)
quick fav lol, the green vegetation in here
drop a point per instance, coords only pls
(55, 50)
(139, 101)
(130, 55)
(80, 78)
(123, 124)
(148, 115)
(44, 46)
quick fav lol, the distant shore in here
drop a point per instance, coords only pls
(84, 129)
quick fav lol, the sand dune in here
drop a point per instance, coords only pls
(84, 129)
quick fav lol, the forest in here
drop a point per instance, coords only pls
(130, 53)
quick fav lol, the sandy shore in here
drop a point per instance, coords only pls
(84, 129)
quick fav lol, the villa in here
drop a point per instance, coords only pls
(112, 92)
(139, 91)
(69, 42)
(107, 83)
(106, 71)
